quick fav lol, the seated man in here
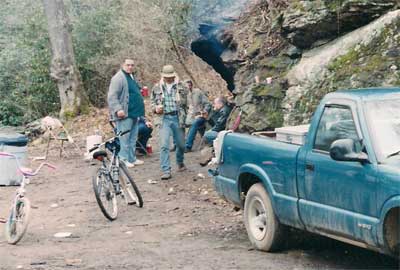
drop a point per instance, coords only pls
(144, 134)
(199, 108)
(218, 119)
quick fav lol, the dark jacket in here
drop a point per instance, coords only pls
(218, 118)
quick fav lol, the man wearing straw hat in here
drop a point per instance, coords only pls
(169, 101)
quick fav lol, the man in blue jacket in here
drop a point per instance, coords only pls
(126, 106)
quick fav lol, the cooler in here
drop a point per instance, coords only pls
(294, 134)
(16, 144)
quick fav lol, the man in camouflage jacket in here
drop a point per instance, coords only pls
(199, 108)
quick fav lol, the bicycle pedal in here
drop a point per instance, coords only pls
(131, 203)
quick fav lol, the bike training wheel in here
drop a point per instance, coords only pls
(129, 188)
(18, 220)
(105, 195)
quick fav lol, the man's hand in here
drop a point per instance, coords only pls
(159, 109)
(204, 114)
(121, 114)
(149, 124)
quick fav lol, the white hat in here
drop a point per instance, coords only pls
(168, 71)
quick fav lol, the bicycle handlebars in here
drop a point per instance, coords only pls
(24, 172)
(119, 134)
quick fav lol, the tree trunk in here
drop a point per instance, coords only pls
(63, 68)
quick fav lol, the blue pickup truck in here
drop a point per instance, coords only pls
(342, 182)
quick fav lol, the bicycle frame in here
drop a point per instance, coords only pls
(20, 193)
(14, 235)
(107, 184)
(21, 190)
(112, 170)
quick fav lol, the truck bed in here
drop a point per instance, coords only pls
(276, 159)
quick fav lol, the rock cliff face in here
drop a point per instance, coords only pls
(366, 57)
(286, 57)
(307, 22)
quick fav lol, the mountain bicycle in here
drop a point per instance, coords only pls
(112, 178)
(18, 219)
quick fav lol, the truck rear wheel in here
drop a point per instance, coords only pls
(263, 228)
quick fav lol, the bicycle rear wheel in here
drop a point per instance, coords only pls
(129, 188)
(18, 220)
(105, 195)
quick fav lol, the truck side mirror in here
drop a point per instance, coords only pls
(346, 150)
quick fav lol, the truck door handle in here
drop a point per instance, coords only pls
(310, 167)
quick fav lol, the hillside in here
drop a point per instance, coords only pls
(285, 55)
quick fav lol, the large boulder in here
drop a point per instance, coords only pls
(260, 106)
(366, 57)
(309, 21)
(278, 83)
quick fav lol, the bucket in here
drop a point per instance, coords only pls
(149, 149)
(145, 91)
(92, 141)
(13, 143)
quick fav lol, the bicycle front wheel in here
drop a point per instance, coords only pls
(130, 190)
(18, 220)
(105, 195)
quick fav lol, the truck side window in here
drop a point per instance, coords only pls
(336, 123)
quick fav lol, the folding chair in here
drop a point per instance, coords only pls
(57, 132)
(142, 147)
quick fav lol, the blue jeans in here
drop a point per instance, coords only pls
(144, 135)
(170, 124)
(128, 141)
(210, 136)
(197, 125)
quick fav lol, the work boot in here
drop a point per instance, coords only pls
(181, 167)
(187, 150)
(166, 176)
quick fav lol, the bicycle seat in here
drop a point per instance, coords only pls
(100, 154)
(26, 171)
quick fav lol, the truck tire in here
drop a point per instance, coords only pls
(263, 228)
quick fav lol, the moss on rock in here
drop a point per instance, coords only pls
(255, 47)
(367, 65)
(268, 90)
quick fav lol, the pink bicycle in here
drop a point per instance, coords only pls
(18, 219)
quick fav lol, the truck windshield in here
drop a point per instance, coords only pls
(384, 125)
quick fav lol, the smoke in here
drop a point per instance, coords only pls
(209, 17)
(217, 11)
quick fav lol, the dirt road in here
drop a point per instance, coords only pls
(183, 225)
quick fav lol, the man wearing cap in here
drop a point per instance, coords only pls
(199, 108)
(126, 106)
(169, 100)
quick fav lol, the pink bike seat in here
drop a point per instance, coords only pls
(25, 170)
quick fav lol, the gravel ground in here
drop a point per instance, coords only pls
(183, 225)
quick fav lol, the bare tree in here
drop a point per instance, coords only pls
(63, 67)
